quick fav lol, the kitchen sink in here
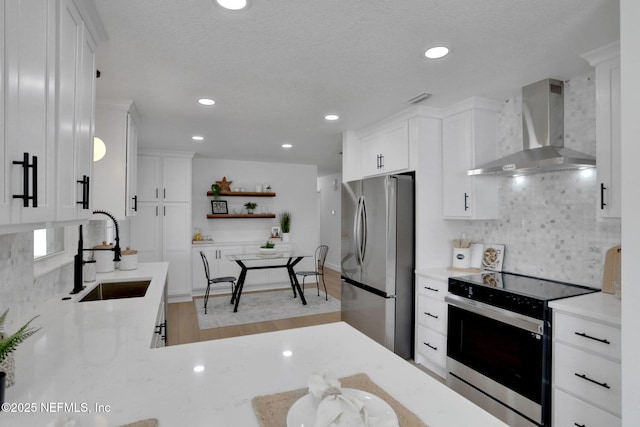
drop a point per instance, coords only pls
(117, 290)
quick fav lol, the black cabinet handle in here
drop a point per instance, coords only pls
(156, 193)
(431, 315)
(430, 346)
(85, 192)
(431, 289)
(381, 161)
(602, 340)
(602, 203)
(466, 199)
(164, 193)
(584, 377)
(579, 425)
(25, 181)
(135, 203)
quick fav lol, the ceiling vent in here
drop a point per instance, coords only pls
(418, 99)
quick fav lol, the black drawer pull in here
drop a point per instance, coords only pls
(579, 425)
(602, 203)
(430, 346)
(431, 289)
(431, 315)
(583, 335)
(584, 377)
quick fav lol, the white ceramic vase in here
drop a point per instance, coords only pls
(285, 237)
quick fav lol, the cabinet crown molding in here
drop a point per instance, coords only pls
(166, 153)
(602, 54)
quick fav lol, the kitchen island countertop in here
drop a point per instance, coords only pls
(96, 357)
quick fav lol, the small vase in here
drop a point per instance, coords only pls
(285, 237)
(8, 366)
(250, 211)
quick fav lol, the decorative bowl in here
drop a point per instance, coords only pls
(267, 251)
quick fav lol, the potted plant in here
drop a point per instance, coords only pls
(7, 345)
(251, 206)
(285, 224)
(215, 189)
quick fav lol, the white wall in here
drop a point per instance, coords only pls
(630, 69)
(296, 191)
(329, 192)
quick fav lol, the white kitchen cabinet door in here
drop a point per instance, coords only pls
(132, 167)
(226, 267)
(76, 100)
(606, 61)
(176, 179)
(113, 173)
(469, 139)
(28, 44)
(146, 232)
(176, 246)
(387, 150)
(149, 178)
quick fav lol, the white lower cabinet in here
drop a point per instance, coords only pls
(431, 323)
(220, 265)
(586, 367)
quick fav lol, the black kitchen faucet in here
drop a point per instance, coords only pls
(78, 260)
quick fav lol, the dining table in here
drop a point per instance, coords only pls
(262, 261)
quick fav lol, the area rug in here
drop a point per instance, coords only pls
(260, 307)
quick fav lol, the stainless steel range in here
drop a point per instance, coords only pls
(499, 343)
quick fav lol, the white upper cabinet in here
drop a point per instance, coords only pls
(47, 50)
(469, 138)
(114, 175)
(386, 150)
(606, 61)
(76, 104)
(164, 178)
(28, 92)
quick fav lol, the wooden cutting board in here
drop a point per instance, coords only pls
(611, 268)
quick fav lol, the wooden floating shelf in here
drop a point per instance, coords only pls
(244, 194)
(222, 216)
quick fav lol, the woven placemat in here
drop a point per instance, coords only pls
(271, 410)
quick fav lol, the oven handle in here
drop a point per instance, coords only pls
(501, 315)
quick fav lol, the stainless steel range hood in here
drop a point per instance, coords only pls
(543, 133)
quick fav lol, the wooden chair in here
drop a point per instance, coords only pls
(210, 281)
(320, 257)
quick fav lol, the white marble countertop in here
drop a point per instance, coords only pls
(598, 306)
(98, 353)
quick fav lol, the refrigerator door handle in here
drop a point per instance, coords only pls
(356, 231)
(363, 242)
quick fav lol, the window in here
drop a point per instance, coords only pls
(48, 241)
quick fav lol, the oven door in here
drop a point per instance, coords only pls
(495, 358)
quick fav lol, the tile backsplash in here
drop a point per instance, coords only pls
(548, 221)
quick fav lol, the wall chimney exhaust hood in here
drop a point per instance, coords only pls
(543, 136)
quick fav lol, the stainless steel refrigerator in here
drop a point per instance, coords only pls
(377, 259)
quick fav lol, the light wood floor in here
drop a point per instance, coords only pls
(182, 321)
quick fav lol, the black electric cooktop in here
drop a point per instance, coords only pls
(522, 294)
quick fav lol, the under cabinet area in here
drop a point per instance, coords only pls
(586, 371)
(469, 136)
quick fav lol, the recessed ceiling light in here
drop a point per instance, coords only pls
(198, 368)
(197, 138)
(331, 117)
(436, 52)
(233, 4)
(287, 145)
(287, 353)
(206, 101)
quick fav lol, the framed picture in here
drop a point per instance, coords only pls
(219, 207)
(275, 232)
(493, 257)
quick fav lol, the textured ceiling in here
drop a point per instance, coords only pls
(276, 69)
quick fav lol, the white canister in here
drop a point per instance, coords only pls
(476, 255)
(461, 258)
(89, 271)
(258, 188)
(104, 258)
(128, 259)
